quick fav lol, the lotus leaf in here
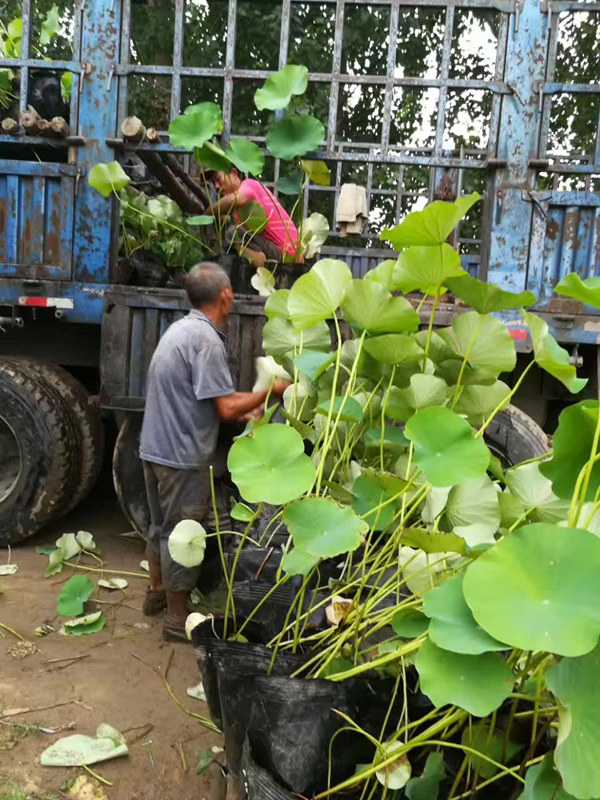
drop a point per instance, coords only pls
(452, 624)
(587, 291)
(431, 226)
(320, 527)
(276, 305)
(574, 681)
(422, 392)
(8, 569)
(113, 583)
(422, 571)
(314, 364)
(491, 744)
(82, 626)
(543, 782)
(445, 448)
(279, 88)
(426, 269)
(210, 156)
(187, 543)
(477, 402)
(393, 438)
(263, 281)
(427, 786)
(78, 750)
(316, 296)
(487, 298)
(346, 409)
(370, 307)
(397, 774)
(534, 492)
(314, 230)
(383, 274)
(433, 542)
(298, 562)
(294, 136)
(107, 178)
(409, 623)
(317, 171)
(270, 466)
(194, 128)
(483, 341)
(394, 348)
(550, 598)
(241, 512)
(572, 449)
(246, 156)
(479, 684)
(291, 183)
(550, 356)
(267, 371)
(73, 595)
(369, 495)
(472, 511)
(280, 338)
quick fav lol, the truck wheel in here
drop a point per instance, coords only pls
(128, 474)
(37, 466)
(514, 437)
(85, 417)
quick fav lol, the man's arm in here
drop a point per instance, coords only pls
(234, 406)
(225, 204)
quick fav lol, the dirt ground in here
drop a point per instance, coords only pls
(107, 685)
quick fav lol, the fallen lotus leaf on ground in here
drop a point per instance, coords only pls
(79, 750)
(8, 569)
(197, 692)
(113, 583)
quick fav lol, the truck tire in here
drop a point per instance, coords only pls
(37, 465)
(128, 474)
(513, 437)
(86, 419)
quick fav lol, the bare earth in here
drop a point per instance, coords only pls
(109, 684)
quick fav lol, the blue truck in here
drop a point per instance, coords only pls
(424, 100)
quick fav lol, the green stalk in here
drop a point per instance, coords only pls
(464, 364)
(505, 401)
(229, 602)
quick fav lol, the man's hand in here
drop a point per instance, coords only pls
(255, 414)
(279, 387)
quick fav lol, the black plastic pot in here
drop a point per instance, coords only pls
(256, 783)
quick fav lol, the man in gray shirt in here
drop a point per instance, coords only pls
(189, 390)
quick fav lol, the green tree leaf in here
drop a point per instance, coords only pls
(317, 172)
(550, 597)
(107, 178)
(294, 136)
(196, 127)
(543, 782)
(394, 348)
(431, 226)
(574, 681)
(427, 786)
(550, 356)
(316, 296)
(425, 269)
(322, 528)
(445, 448)
(487, 297)
(368, 306)
(73, 595)
(479, 684)
(270, 465)
(572, 449)
(279, 88)
(484, 341)
(246, 156)
(453, 626)
(587, 291)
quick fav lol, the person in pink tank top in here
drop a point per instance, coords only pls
(278, 238)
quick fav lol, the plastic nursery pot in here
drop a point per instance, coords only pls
(291, 726)
(238, 666)
(256, 563)
(256, 782)
(287, 274)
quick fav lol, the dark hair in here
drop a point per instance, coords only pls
(211, 174)
(204, 283)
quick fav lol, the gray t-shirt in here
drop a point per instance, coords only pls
(188, 370)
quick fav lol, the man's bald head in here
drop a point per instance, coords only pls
(204, 284)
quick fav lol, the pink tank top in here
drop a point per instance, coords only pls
(279, 229)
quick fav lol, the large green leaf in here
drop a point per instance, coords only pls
(317, 172)
(431, 226)
(445, 448)
(73, 595)
(368, 494)
(476, 401)
(368, 306)
(294, 136)
(534, 492)
(164, 209)
(427, 786)
(317, 295)
(78, 750)
(423, 391)
(270, 465)
(453, 626)
(394, 348)
(279, 88)
(393, 439)
(550, 356)
(430, 542)
(196, 126)
(276, 305)
(587, 291)
(322, 528)
(246, 156)
(291, 183)
(107, 178)
(409, 623)
(484, 341)
(426, 269)
(210, 156)
(187, 543)
(346, 408)
(313, 363)
(487, 297)
(543, 782)
(383, 273)
(572, 449)
(479, 684)
(298, 562)
(86, 625)
(472, 511)
(548, 593)
(280, 338)
(574, 681)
